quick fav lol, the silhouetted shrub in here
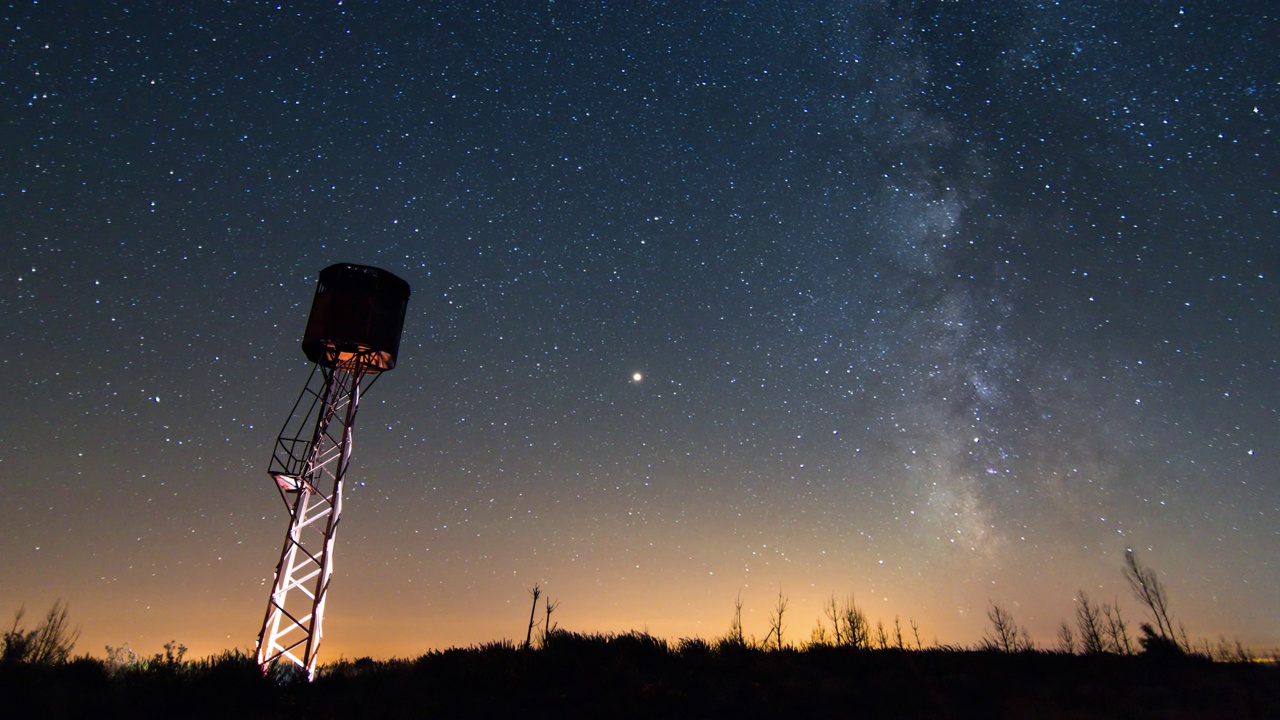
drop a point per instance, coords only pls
(49, 643)
(1155, 645)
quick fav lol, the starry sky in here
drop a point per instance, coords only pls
(933, 303)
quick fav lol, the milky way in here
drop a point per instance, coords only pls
(939, 304)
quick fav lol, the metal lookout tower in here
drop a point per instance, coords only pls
(352, 336)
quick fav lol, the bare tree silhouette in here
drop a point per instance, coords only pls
(1146, 587)
(735, 636)
(1066, 638)
(1116, 629)
(775, 620)
(1089, 621)
(548, 627)
(850, 622)
(536, 592)
(1004, 634)
(882, 637)
(832, 611)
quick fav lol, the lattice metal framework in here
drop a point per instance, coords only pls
(308, 465)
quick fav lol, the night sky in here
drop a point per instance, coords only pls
(937, 304)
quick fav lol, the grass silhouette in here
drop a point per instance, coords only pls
(637, 675)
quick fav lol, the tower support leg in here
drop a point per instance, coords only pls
(310, 461)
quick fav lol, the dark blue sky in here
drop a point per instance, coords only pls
(936, 303)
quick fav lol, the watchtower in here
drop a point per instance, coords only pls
(352, 336)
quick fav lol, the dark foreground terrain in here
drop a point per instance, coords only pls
(637, 676)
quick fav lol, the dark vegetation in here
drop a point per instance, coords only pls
(848, 668)
(634, 675)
